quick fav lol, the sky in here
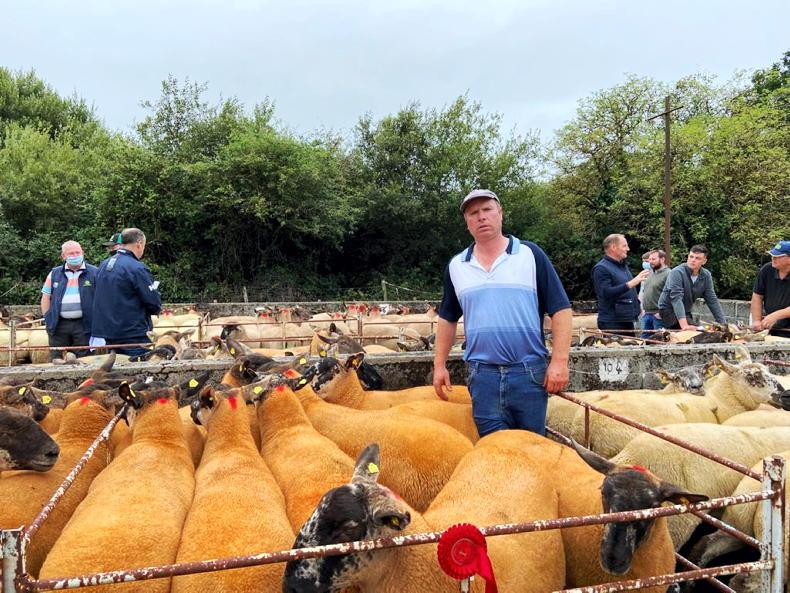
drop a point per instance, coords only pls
(326, 63)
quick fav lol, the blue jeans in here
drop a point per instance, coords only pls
(508, 396)
(650, 322)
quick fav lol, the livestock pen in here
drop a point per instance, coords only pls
(13, 542)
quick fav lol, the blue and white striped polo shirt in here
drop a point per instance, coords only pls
(503, 308)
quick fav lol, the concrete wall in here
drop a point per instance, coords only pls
(591, 368)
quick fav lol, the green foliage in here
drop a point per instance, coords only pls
(229, 199)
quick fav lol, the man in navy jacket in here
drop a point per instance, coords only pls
(126, 296)
(615, 287)
(67, 301)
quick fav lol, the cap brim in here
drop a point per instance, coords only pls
(109, 243)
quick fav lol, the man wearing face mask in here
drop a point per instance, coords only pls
(126, 296)
(67, 300)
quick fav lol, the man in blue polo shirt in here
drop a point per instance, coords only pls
(126, 296)
(503, 287)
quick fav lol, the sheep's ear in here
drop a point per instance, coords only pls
(354, 360)
(742, 354)
(185, 334)
(595, 461)
(128, 395)
(674, 494)
(367, 467)
(664, 376)
(259, 390)
(108, 363)
(207, 397)
(724, 365)
(710, 369)
(191, 387)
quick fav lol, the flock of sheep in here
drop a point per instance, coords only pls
(274, 457)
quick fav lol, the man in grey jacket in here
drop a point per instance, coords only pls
(685, 284)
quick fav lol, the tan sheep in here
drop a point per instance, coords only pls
(583, 490)
(428, 450)
(304, 462)
(338, 383)
(134, 512)
(235, 496)
(362, 509)
(760, 417)
(743, 444)
(24, 494)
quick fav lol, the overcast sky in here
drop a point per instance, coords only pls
(325, 63)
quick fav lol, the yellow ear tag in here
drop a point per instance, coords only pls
(302, 361)
(241, 368)
(322, 354)
(131, 391)
(22, 390)
(395, 522)
(193, 383)
(738, 355)
(233, 351)
(257, 390)
(684, 500)
(302, 381)
(373, 468)
(46, 399)
(663, 380)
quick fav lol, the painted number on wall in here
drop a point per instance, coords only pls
(613, 370)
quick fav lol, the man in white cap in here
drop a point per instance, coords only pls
(503, 287)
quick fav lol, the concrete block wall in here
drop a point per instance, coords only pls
(628, 367)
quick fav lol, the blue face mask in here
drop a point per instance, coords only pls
(75, 261)
(646, 265)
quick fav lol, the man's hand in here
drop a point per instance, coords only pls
(756, 326)
(637, 280)
(441, 381)
(556, 377)
(770, 320)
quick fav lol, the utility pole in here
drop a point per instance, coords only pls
(667, 175)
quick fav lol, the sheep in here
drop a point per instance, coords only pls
(339, 383)
(747, 518)
(141, 499)
(743, 444)
(24, 494)
(235, 496)
(304, 462)
(363, 509)
(760, 417)
(737, 389)
(429, 450)
(23, 399)
(24, 445)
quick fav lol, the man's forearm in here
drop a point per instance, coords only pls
(46, 301)
(561, 326)
(445, 337)
(756, 308)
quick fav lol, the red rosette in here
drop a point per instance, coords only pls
(462, 553)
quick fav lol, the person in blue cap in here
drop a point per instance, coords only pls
(771, 293)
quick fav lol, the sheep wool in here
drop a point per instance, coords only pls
(134, 512)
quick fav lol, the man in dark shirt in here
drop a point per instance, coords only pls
(615, 287)
(772, 292)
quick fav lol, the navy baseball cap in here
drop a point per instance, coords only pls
(478, 193)
(781, 248)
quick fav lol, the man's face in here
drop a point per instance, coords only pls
(655, 261)
(73, 250)
(619, 249)
(696, 260)
(483, 218)
(781, 262)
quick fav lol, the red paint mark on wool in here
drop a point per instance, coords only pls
(84, 401)
(291, 373)
(163, 400)
(233, 402)
(639, 468)
(280, 388)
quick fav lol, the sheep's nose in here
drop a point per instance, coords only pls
(53, 452)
